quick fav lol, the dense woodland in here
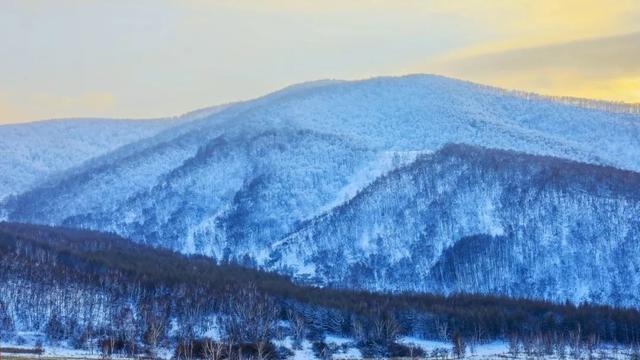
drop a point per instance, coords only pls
(105, 293)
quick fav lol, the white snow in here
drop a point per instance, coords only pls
(484, 351)
(30, 152)
(306, 353)
(293, 155)
(385, 162)
(426, 345)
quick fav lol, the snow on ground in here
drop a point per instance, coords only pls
(337, 340)
(384, 163)
(491, 349)
(349, 353)
(306, 353)
(427, 345)
(28, 340)
(346, 349)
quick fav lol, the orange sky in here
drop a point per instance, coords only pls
(151, 58)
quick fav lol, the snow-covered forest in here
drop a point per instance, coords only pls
(418, 216)
(354, 184)
(112, 297)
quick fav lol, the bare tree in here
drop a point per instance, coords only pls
(442, 329)
(547, 344)
(213, 349)
(185, 349)
(476, 338)
(107, 346)
(230, 345)
(575, 342)
(635, 350)
(298, 328)
(152, 336)
(357, 329)
(251, 318)
(592, 342)
(528, 345)
(385, 327)
(459, 347)
(412, 351)
(514, 345)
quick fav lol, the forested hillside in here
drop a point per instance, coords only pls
(471, 219)
(104, 292)
(35, 151)
(274, 183)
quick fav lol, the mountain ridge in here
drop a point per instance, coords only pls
(232, 184)
(399, 228)
(49, 148)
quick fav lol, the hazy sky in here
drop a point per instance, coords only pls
(151, 58)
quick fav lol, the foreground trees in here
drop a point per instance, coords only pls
(107, 294)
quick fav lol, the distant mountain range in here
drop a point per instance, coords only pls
(356, 184)
(33, 151)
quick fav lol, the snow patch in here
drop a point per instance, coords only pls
(385, 162)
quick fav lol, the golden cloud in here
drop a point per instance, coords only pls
(607, 68)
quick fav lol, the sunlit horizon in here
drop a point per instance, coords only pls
(150, 59)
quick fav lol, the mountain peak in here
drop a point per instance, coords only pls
(388, 171)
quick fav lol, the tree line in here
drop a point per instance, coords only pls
(107, 294)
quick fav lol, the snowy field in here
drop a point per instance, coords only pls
(342, 348)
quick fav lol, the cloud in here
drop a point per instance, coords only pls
(603, 67)
(161, 57)
(544, 20)
(602, 56)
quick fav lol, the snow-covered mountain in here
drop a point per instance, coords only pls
(33, 151)
(469, 219)
(246, 182)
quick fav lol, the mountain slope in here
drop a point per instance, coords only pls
(102, 293)
(233, 183)
(33, 151)
(469, 219)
